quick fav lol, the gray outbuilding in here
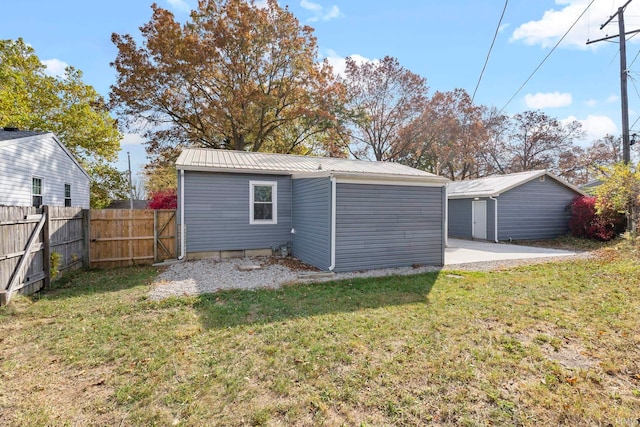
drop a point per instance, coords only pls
(37, 169)
(335, 214)
(519, 206)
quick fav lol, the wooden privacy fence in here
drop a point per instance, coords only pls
(121, 237)
(28, 237)
(79, 238)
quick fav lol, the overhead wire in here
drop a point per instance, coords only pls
(486, 61)
(546, 57)
(633, 82)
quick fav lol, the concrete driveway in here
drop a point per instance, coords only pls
(463, 251)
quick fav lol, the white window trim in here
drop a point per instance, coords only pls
(65, 194)
(274, 195)
(41, 189)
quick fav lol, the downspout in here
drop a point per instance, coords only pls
(495, 218)
(183, 240)
(446, 217)
(333, 223)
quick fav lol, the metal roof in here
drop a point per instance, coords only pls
(492, 186)
(244, 162)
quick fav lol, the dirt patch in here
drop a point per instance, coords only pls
(557, 347)
(290, 262)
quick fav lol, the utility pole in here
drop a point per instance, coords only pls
(130, 186)
(624, 99)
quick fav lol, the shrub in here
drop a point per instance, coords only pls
(164, 199)
(586, 222)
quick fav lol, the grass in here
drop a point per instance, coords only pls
(546, 344)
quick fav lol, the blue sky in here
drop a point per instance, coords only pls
(444, 41)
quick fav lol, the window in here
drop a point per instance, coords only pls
(36, 192)
(67, 195)
(263, 208)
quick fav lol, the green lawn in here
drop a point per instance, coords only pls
(550, 344)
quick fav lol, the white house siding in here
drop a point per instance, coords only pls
(41, 157)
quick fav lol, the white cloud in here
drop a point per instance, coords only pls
(503, 27)
(55, 67)
(320, 13)
(181, 5)
(591, 102)
(132, 139)
(262, 4)
(595, 127)
(554, 23)
(612, 98)
(547, 100)
(338, 62)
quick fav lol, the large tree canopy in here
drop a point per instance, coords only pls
(74, 111)
(234, 76)
(382, 98)
(447, 137)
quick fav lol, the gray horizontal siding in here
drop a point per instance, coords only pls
(43, 158)
(381, 226)
(311, 242)
(491, 213)
(216, 210)
(459, 219)
(535, 210)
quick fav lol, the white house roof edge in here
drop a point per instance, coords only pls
(7, 142)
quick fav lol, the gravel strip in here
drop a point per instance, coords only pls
(207, 276)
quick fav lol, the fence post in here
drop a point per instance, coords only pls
(46, 242)
(86, 218)
(155, 235)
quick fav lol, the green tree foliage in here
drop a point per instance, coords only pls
(74, 111)
(620, 191)
(234, 76)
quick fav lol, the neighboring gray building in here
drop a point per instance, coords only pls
(335, 214)
(37, 169)
(518, 206)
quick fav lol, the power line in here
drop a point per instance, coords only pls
(633, 82)
(546, 57)
(495, 35)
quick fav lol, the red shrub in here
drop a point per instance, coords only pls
(163, 199)
(585, 222)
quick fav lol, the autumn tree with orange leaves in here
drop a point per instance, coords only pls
(447, 137)
(382, 98)
(234, 76)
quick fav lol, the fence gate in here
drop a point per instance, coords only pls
(122, 237)
(24, 258)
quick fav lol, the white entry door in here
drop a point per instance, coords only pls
(479, 224)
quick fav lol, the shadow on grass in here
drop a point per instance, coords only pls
(97, 281)
(237, 307)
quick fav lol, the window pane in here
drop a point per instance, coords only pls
(67, 190)
(262, 193)
(67, 203)
(36, 187)
(262, 211)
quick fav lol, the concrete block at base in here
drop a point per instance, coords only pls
(229, 254)
(258, 252)
(203, 255)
